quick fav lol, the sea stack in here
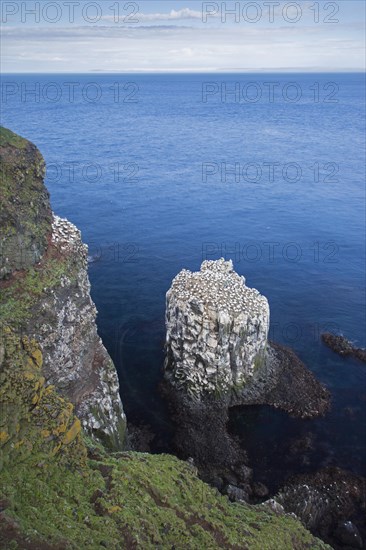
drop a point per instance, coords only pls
(217, 346)
(218, 356)
(217, 330)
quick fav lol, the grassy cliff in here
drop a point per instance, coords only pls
(45, 292)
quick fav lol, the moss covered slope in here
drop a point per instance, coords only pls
(59, 491)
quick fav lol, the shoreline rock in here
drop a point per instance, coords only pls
(330, 503)
(342, 346)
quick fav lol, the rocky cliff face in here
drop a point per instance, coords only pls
(25, 213)
(45, 293)
(217, 330)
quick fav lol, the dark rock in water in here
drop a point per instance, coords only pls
(284, 382)
(342, 346)
(331, 504)
(302, 444)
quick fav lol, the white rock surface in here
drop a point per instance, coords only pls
(217, 330)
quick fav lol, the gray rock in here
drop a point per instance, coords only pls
(259, 489)
(244, 472)
(236, 494)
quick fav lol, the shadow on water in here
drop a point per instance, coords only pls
(137, 349)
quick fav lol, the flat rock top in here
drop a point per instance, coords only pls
(219, 286)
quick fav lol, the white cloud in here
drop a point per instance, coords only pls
(179, 48)
(173, 15)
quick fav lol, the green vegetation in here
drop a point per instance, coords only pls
(60, 488)
(7, 137)
(18, 299)
(25, 214)
(141, 501)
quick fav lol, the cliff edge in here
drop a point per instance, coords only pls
(45, 293)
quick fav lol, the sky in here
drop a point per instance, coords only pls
(85, 36)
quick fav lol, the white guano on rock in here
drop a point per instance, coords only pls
(217, 330)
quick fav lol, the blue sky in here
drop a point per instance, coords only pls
(173, 36)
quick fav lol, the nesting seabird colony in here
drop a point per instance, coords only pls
(217, 329)
(66, 237)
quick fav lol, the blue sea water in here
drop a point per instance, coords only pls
(162, 171)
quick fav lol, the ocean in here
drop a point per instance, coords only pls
(160, 172)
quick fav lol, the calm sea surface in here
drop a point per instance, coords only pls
(161, 172)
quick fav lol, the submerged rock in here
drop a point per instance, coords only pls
(342, 346)
(348, 535)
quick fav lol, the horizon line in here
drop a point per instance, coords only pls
(197, 71)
